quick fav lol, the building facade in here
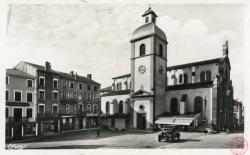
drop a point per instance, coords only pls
(63, 101)
(238, 114)
(194, 94)
(20, 104)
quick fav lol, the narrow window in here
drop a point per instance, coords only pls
(160, 51)
(42, 81)
(29, 113)
(55, 83)
(55, 95)
(121, 107)
(202, 76)
(7, 112)
(67, 108)
(29, 97)
(7, 79)
(95, 109)
(41, 109)
(54, 109)
(185, 79)
(146, 20)
(71, 85)
(107, 108)
(89, 88)
(208, 76)
(7, 95)
(80, 86)
(142, 50)
(41, 94)
(29, 83)
(18, 96)
(180, 78)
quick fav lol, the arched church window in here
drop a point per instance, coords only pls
(107, 108)
(146, 20)
(180, 78)
(185, 79)
(198, 104)
(160, 51)
(142, 49)
(202, 76)
(208, 76)
(126, 85)
(174, 106)
(121, 107)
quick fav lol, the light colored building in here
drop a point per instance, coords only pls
(20, 104)
(193, 94)
(238, 113)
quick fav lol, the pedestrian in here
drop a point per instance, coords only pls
(205, 131)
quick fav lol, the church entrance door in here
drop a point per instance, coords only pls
(141, 121)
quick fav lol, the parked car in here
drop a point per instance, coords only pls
(169, 133)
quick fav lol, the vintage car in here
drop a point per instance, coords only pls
(169, 133)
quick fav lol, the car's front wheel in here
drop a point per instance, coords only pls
(159, 138)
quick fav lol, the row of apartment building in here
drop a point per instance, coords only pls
(42, 101)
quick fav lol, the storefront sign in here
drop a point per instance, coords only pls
(21, 104)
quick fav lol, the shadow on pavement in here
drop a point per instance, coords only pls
(75, 135)
(72, 147)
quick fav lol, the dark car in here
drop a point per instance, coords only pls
(169, 133)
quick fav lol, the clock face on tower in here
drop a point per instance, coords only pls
(142, 69)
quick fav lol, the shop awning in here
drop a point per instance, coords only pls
(177, 120)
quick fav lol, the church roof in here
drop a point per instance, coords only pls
(114, 93)
(122, 76)
(146, 30)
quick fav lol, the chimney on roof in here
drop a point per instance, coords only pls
(89, 76)
(72, 73)
(47, 65)
(76, 76)
(225, 48)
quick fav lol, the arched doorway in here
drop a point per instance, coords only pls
(174, 106)
(198, 104)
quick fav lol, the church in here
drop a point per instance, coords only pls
(193, 95)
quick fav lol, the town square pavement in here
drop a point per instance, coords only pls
(124, 139)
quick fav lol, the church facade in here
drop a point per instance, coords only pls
(154, 94)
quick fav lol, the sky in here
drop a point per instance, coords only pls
(94, 38)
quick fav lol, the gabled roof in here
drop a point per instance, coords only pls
(198, 63)
(114, 93)
(122, 76)
(18, 73)
(141, 93)
(106, 89)
(35, 65)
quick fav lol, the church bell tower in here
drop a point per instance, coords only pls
(148, 71)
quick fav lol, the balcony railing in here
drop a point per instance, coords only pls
(47, 115)
(68, 101)
(17, 119)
